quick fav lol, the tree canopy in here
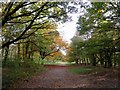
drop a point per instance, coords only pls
(99, 30)
(22, 19)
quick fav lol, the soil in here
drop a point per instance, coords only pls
(61, 77)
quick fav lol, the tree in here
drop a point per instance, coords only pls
(76, 46)
(23, 17)
(99, 32)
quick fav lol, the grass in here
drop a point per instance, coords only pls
(86, 70)
(82, 70)
(59, 63)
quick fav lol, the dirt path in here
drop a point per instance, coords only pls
(60, 77)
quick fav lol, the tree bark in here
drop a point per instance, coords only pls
(76, 61)
(6, 55)
(93, 60)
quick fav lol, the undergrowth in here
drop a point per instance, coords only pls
(15, 70)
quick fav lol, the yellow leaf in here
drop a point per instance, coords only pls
(99, 11)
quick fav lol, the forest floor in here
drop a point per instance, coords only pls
(57, 76)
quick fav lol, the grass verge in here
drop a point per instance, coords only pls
(86, 70)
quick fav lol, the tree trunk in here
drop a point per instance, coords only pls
(32, 53)
(101, 59)
(87, 61)
(93, 60)
(26, 50)
(109, 60)
(6, 55)
(23, 55)
(18, 50)
(105, 65)
(76, 61)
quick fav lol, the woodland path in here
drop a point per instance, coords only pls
(61, 77)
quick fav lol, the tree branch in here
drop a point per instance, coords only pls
(7, 16)
(27, 28)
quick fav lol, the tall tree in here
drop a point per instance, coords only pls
(23, 17)
(99, 28)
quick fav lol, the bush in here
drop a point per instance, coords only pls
(15, 69)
